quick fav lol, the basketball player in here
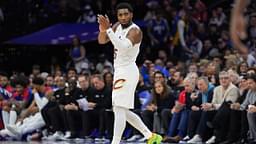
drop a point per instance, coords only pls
(126, 38)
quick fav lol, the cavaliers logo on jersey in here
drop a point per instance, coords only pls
(118, 84)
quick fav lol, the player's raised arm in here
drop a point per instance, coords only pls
(102, 36)
(238, 25)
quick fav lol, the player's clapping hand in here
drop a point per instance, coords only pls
(104, 22)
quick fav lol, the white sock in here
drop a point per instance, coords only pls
(137, 123)
(13, 117)
(5, 116)
(119, 124)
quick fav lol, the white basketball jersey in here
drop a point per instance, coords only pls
(125, 56)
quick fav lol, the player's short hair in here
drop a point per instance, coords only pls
(124, 5)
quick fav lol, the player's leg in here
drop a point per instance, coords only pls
(136, 122)
(119, 124)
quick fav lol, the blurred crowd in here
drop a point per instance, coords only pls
(194, 86)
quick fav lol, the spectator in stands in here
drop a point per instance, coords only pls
(211, 72)
(162, 55)
(163, 100)
(104, 63)
(242, 68)
(249, 105)
(172, 71)
(71, 73)
(35, 71)
(49, 82)
(179, 40)
(60, 82)
(198, 117)
(31, 119)
(225, 94)
(72, 111)
(159, 76)
(218, 17)
(200, 12)
(251, 44)
(193, 76)
(222, 46)
(88, 91)
(238, 126)
(159, 66)
(234, 77)
(53, 113)
(249, 58)
(108, 79)
(195, 46)
(151, 12)
(144, 70)
(54, 116)
(231, 62)
(176, 83)
(18, 102)
(87, 16)
(252, 27)
(192, 68)
(251, 70)
(78, 55)
(207, 49)
(158, 31)
(58, 72)
(5, 83)
(178, 125)
(99, 103)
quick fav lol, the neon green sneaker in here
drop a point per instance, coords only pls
(155, 139)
